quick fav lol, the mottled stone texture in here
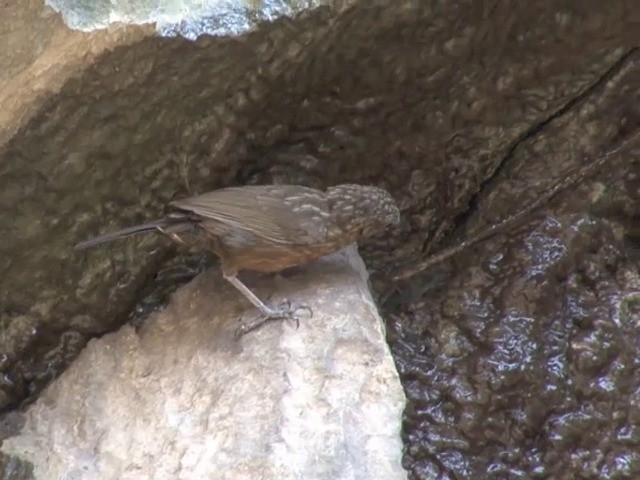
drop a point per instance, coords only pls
(183, 399)
(519, 361)
(39, 55)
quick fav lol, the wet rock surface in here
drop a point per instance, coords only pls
(518, 358)
(524, 364)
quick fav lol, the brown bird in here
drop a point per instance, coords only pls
(268, 228)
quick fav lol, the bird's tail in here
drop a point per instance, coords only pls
(158, 225)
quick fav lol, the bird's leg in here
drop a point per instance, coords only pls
(285, 311)
(253, 298)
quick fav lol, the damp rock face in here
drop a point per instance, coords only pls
(183, 398)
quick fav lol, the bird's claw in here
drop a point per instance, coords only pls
(285, 311)
(288, 312)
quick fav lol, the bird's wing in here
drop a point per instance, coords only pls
(279, 213)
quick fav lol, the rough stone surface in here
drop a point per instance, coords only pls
(182, 399)
(40, 54)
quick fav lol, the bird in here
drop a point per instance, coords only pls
(269, 228)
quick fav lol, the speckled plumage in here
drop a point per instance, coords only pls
(268, 228)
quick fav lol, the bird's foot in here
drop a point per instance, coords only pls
(284, 311)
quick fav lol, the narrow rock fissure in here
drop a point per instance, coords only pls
(461, 220)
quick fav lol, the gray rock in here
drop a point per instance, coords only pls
(182, 399)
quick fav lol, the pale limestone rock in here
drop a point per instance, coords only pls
(183, 400)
